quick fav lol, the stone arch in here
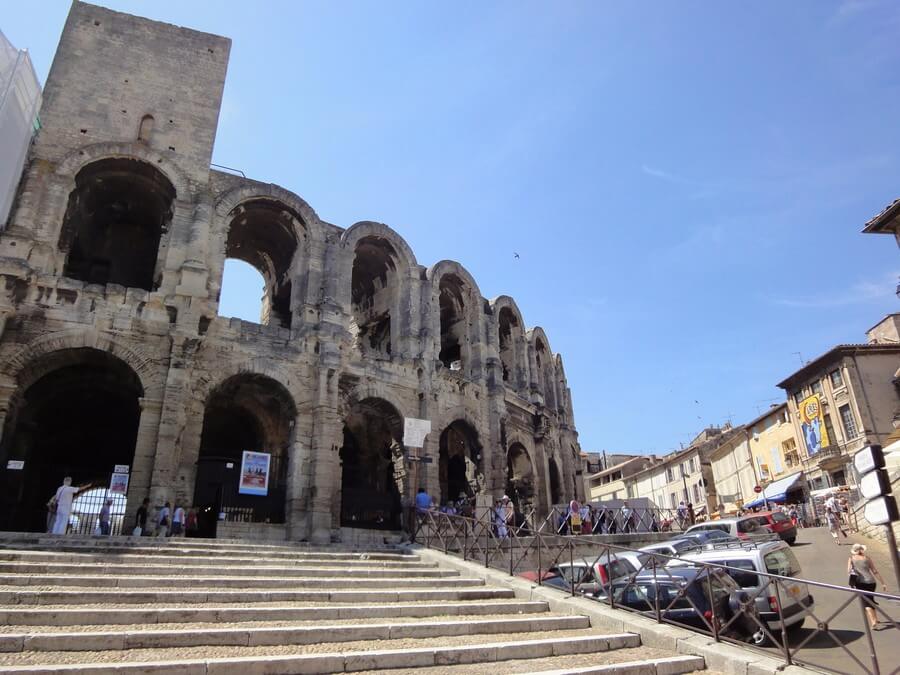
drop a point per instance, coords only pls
(460, 460)
(381, 269)
(521, 477)
(26, 364)
(373, 475)
(76, 412)
(250, 412)
(225, 202)
(256, 366)
(512, 343)
(457, 310)
(555, 483)
(80, 157)
(543, 376)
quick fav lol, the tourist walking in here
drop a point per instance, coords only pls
(106, 517)
(140, 519)
(627, 517)
(65, 495)
(191, 525)
(586, 519)
(163, 518)
(500, 519)
(177, 521)
(863, 575)
(833, 516)
(682, 514)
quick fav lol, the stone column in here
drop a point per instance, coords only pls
(326, 472)
(300, 479)
(7, 391)
(144, 455)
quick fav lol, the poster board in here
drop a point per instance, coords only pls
(254, 477)
(415, 431)
(118, 484)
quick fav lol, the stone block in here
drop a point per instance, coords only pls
(386, 659)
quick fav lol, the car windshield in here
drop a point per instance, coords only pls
(683, 545)
(782, 562)
(779, 517)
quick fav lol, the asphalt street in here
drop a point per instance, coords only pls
(826, 562)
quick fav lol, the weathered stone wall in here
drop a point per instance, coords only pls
(508, 388)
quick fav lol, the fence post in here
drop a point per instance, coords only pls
(487, 535)
(540, 565)
(510, 540)
(872, 654)
(465, 539)
(785, 647)
(656, 593)
(571, 566)
(712, 604)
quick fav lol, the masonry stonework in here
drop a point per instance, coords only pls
(112, 351)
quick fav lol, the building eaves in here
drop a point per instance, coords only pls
(771, 411)
(886, 222)
(821, 362)
(619, 466)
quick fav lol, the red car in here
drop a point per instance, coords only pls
(780, 523)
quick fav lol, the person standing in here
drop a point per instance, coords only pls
(423, 501)
(500, 519)
(140, 519)
(177, 521)
(106, 518)
(162, 523)
(833, 516)
(863, 575)
(65, 495)
(627, 515)
(682, 513)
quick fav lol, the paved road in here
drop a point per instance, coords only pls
(823, 561)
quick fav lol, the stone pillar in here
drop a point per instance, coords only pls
(326, 472)
(142, 464)
(300, 479)
(7, 391)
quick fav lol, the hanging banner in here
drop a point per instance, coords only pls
(254, 479)
(813, 425)
(415, 431)
(118, 484)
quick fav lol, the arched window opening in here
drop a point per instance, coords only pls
(372, 472)
(373, 294)
(145, 129)
(243, 292)
(545, 374)
(555, 483)
(80, 419)
(246, 412)
(507, 323)
(459, 462)
(263, 233)
(114, 221)
(453, 321)
(520, 480)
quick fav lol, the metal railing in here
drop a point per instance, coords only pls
(552, 559)
(608, 520)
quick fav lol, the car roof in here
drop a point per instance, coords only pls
(738, 551)
(671, 572)
(713, 523)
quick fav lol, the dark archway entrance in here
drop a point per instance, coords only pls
(555, 484)
(520, 478)
(246, 412)
(460, 458)
(372, 470)
(79, 417)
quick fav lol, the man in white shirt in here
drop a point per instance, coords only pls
(178, 521)
(162, 523)
(65, 494)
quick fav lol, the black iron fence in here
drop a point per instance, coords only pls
(87, 507)
(778, 614)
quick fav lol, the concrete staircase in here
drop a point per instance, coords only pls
(139, 605)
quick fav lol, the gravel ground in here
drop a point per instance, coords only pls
(296, 623)
(535, 665)
(132, 655)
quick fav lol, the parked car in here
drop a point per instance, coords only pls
(780, 523)
(747, 559)
(683, 595)
(741, 527)
(588, 577)
(708, 536)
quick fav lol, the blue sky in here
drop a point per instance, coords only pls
(685, 182)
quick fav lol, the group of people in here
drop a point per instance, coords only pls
(588, 519)
(168, 521)
(836, 516)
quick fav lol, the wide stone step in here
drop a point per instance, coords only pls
(293, 635)
(37, 556)
(126, 596)
(113, 547)
(184, 581)
(666, 665)
(626, 661)
(426, 653)
(253, 570)
(224, 614)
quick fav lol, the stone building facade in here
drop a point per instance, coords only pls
(111, 350)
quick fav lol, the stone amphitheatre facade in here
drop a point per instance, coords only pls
(112, 351)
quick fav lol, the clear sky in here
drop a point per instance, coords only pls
(685, 182)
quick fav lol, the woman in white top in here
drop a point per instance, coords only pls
(863, 575)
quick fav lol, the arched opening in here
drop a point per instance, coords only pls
(145, 129)
(459, 462)
(520, 478)
(116, 215)
(251, 413)
(555, 483)
(243, 292)
(79, 418)
(508, 330)
(545, 373)
(372, 471)
(373, 294)
(453, 321)
(263, 233)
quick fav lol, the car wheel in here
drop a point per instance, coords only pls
(759, 638)
(791, 541)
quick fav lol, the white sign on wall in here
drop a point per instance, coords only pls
(415, 431)
(15, 464)
(121, 468)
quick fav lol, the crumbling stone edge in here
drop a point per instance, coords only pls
(720, 657)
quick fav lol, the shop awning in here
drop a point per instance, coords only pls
(775, 492)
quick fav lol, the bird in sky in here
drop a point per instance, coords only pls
(515, 255)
